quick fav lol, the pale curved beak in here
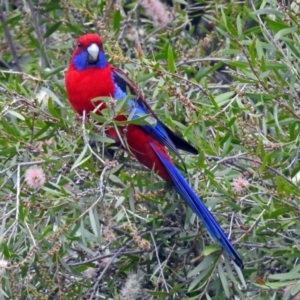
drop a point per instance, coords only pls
(93, 51)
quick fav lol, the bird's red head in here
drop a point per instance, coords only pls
(85, 40)
(89, 52)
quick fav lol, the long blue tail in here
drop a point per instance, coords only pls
(186, 192)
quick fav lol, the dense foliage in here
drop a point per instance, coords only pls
(81, 219)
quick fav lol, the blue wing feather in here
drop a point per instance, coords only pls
(186, 192)
(157, 130)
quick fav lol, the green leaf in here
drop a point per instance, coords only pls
(98, 118)
(224, 280)
(295, 289)
(224, 98)
(204, 265)
(205, 273)
(13, 20)
(171, 60)
(5, 250)
(53, 96)
(273, 285)
(292, 275)
(117, 17)
(52, 29)
(81, 159)
(283, 32)
(94, 219)
(176, 288)
(101, 138)
(252, 51)
(145, 77)
(54, 111)
(158, 293)
(239, 27)
(276, 25)
(210, 249)
(16, 114)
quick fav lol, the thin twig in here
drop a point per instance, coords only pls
(209, 59)
(23, 75)
(160, 267)
(96, 285)
(10, 41)
(37, 27)
(100, 257)
(255, 222)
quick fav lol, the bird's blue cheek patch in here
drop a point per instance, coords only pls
(102, 62)
(81, 61)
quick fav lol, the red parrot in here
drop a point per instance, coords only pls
(90, 76)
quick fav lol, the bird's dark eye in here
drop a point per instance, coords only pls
(79, 45)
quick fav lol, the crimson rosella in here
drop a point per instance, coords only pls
(90, 76)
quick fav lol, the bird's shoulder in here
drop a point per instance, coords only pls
(123, 81)
(126, 84)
